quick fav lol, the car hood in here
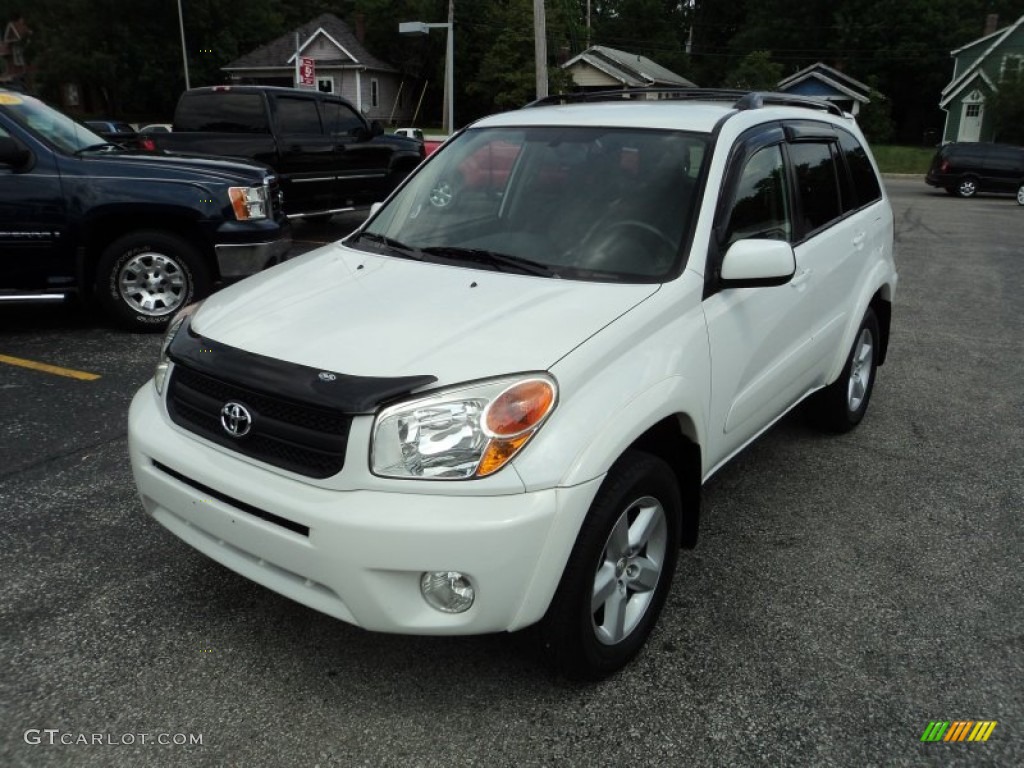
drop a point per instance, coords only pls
(357, 313)
(226, 169)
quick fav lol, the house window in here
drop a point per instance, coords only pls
(19, 57)
(1013, 66)
(325, 84)
(374, 93)
(973, 110)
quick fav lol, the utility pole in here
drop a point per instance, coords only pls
(449, 74)
(540, 48)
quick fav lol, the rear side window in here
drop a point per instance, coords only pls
(1005, 159)
(817, 183)
(221, 112)
(297, 115)
(866, 188)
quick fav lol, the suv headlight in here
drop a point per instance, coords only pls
(164, 362)
(248, 202)
(467, 431)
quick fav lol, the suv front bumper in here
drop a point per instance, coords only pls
(356, 555)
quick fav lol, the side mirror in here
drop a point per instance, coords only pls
(376, 129)
(13, 154)
(758, 263)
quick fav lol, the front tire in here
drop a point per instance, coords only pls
(1020, 195)
(841, 405)
(619, 573)
(144, 278)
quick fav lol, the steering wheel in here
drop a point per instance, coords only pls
(614, 247)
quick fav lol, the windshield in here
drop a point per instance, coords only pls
(571, 202)
(57, 128)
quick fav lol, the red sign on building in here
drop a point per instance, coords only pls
(307, 71)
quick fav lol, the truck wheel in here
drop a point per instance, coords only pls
(620, 570)
(144, 278)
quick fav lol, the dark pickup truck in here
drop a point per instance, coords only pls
(328, 157)
(141, 235)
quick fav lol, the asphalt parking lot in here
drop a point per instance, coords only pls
(846, 591)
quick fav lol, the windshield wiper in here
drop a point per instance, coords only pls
(500, 261)
(393, 246)
(106, 145)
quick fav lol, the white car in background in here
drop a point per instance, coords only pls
(494, 408)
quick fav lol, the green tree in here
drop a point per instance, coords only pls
(1006, 110)
(756, 72)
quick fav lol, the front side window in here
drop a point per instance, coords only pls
(761, 206)
(573, 202)
(817, 183)
(341, 120)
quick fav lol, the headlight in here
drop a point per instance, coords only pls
(164, 362)
(248, 202)
(468, 431)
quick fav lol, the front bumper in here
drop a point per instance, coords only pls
(235, 260)
(356, 555)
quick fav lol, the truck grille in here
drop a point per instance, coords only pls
(306, 439)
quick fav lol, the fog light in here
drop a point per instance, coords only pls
(447, 591)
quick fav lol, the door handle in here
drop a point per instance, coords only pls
(858, 240)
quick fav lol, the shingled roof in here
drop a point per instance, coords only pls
(630, 69)
(280, 54)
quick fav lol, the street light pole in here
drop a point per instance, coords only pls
(421, 28)
(184, 50)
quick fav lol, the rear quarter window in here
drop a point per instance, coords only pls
(221, 112)
(864, 182)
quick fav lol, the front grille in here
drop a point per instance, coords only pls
(306, 439)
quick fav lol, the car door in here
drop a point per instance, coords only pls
(829, 243)
(307, 165)
(361, 163)
(759, 336)
(33, 222)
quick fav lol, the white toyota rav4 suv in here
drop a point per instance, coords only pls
(493, 405)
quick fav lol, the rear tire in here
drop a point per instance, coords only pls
(841, 405)
(618, 576)
(968, 187)
(1020, 195)
(144, 278)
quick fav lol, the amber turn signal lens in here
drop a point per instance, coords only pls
(498, 453)
(520, 408)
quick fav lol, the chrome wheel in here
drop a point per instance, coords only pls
(967, 188)
(861, 370)
(152, 284)
(1020, 195)
(629, 570)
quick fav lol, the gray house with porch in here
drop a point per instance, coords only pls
(343, 65)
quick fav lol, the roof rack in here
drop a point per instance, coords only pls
(740, 99)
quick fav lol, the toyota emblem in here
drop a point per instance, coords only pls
(236, 419)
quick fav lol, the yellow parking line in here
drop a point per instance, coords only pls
(46, 368)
